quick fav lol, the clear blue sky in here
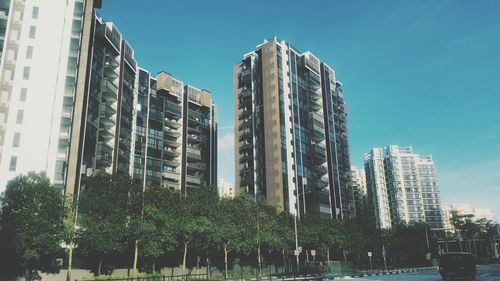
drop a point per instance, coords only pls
(424, 73)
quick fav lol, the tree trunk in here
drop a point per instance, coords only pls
(259, 262)
(184, 258)
(154, 268)
(328, 254)
(307, 255)
(475, 248)
(136, 256)
(99, 267)
(28, 274)
(198, 259)
(344, 253)
(225, 260)
(70, 261)
(284, 259)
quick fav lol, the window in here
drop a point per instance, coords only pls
(34, 12)
(20, 116)
(29, 52)
(26, 72)
(17, 140)
(13, 163)
(32, 32)
(24, 93)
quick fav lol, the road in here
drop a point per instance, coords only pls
(484, 273)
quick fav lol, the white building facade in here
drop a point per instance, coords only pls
(407, 181)
(38, 72)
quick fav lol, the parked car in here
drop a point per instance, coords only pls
(457, 264)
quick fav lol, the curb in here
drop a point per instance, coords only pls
(381, 273)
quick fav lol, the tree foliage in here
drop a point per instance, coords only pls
(32, 227)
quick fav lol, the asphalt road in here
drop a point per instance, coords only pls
(484, 273)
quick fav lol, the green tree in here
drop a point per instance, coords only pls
(267, 230)
(309, 228)
(234, 230)
(194, 224)
(32, 227)
(109, 211)
(158, 228)
(285, 235)
(331, 236)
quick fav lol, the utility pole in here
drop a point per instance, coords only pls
(296, 243)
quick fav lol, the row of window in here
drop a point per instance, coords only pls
(22, 97)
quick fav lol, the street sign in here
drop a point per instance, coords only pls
(369, 254)
(428, 256)
(296, 252)
(313, 253)
(300, 249)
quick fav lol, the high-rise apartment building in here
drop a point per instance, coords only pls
(450, 211)
(404, 184)
(290, 131)
(75, 102)
(41, 57)
(378, 208)
(357, 191)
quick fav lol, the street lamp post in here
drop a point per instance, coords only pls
(296, 243)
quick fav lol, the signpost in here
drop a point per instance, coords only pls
(370, 256)
(313, 253)
(384, 255)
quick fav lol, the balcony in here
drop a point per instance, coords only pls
(193, 180)
(171, 175)
(245, 158)
(174, 109)
(171, 153)
(109, 90)
(172, 143)
(196, 166)
(171, 163)
(244, 114)
(245, 146)
(105, 134)
(172, 123)
(320, 169)
(106, 109)
(319, 151)
(322, 182)
(194, 156)
(246, 93)
(171, 133)
(317, 132)
(197, 138)
(104, 154)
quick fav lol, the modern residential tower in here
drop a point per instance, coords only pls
(73, 102)
(402, 187)
(290, 131)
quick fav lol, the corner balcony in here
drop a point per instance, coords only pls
(109, 90)
(319, 151)
(246, 93)
(320, 169)
(193, 180)
(245, 146)
(172, 133)
(171, 143)
(317, 132)
(322, 182)
(172, 162)
(171, 175)
(172, 124)
(171, 153)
